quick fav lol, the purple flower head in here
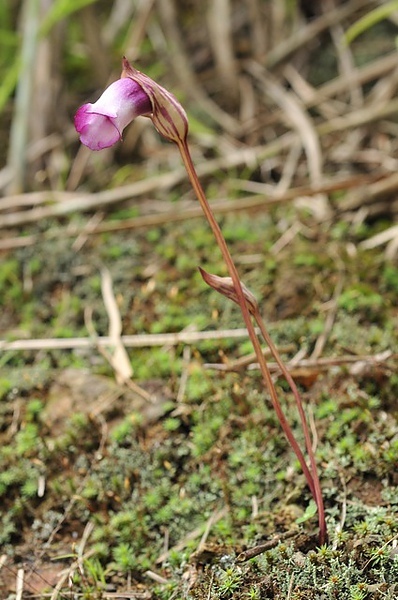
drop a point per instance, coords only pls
(101, 124)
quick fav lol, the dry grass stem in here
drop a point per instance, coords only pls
(129, 341)
(112, 358)
(86, 202)
(193, 535)
(139, 27)
(261, 548)
(186, 357)
(320, 364)
(305, 34)
(329, 321)
(345, 58)
(388, 235)
(183, 69)
(119, 358)
(219, 23)
(19, 137)
(19, 585)
(156, 577)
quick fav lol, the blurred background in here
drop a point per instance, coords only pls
(249, 73)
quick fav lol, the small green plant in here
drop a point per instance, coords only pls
(27, 439)
(95, 572)
(34, 409)
(361, 298)
(380, 556)
(253, 593)
(124, 558)
(358, 592)
(229, 581)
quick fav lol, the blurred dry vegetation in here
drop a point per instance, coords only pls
(293, 112)
(269, 85)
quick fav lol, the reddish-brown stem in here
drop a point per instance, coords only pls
(186, 157)
(304, 425)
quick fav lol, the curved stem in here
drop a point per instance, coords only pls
(304, 425)
(186, 157)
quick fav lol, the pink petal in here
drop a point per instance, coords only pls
(101, 124)
(96, 131)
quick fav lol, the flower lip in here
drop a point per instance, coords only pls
(96, 131)
(101, 124)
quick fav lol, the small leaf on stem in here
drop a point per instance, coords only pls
(225, 286)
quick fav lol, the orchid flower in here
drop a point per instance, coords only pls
(101, 124)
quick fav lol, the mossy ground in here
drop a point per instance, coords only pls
(122, 495)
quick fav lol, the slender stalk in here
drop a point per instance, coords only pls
(308, 442)
(171, 121)
(186, 157)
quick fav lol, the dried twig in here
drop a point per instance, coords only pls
(320, 364)
(217, 516)
(119, 359)
(388, 235)
(296, 114)
(344, 54)
(220, 26)
(252, 202)
(371, 193)
(330, 318)
(156, 577)
(129, 341)
(110, 358)
(186, 357)
(67, 574)
(261, 548)
(305, 34)
(19, 584)
(183, 69)
(81, 546)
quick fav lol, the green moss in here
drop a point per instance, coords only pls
(361, 298)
